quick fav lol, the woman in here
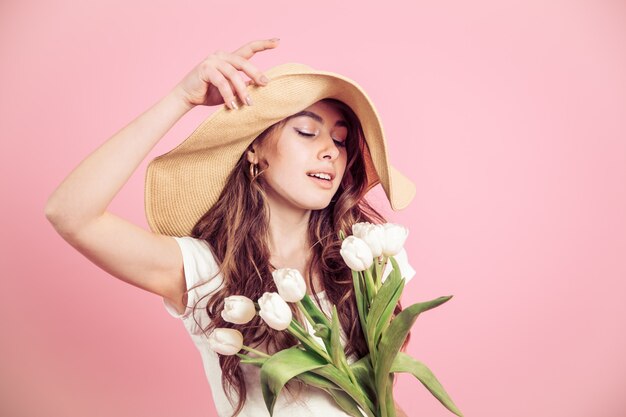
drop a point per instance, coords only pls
(221, 225)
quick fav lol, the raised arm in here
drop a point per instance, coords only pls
(78, 207)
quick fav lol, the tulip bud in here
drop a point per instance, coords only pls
(275, 311)
(290, 284)
(356, 253)
(372, 234)
(225, 341)
(238, 309)
(321, 330)
(395, 235)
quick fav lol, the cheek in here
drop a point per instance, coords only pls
(344, 160)
(344, 164)
(285, 170)
(294, 159)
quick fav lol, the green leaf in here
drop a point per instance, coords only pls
(307, 341)
(362, 370)
(382, 298)
(342, 381)
(389, 404)
(394, 336)
(336, 350)
(281, 367)
(317, 381)
(405, 363)
(396, 273)
(343, 400)
(318, 317)
(385, 316)
(383, 305)
(314, 311)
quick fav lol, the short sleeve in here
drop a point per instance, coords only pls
(199, 266)
(406, 269)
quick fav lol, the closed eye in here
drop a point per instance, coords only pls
(338, 142)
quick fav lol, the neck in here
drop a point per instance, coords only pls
(288, 231)
(288, 240)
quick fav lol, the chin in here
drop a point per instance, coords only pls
(316, 205)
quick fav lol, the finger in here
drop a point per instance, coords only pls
(218, 79)
(253, 47)
(250, 69)
(236, 82)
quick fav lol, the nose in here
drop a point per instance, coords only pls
(328, 149)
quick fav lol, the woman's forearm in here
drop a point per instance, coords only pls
(88, 190)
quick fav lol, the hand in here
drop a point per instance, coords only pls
(216, 79)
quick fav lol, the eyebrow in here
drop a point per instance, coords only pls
(317, 117)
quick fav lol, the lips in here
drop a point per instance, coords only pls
(326, 184)
(329, 173)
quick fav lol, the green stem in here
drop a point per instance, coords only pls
(306, 313)
(315, 315)
(358, 292)
(377, 271)
(353, 390)
(371, 287)
(373, 354)
(314, 310)
(306, 339)
(384, 266)
(258, 352)
(346, 366)
(296, 325)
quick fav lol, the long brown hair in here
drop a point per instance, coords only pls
(236, 228)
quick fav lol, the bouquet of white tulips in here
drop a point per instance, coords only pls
(362, 388)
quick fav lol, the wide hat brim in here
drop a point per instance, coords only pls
(184, 183)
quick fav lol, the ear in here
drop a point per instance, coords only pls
(252, 156)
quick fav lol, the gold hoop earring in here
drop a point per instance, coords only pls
(254, 170)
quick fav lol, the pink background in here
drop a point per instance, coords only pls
(509, 116)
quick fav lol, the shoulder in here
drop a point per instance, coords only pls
(198, 257)
(201, 273)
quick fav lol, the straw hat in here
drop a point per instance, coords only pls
(184, 183)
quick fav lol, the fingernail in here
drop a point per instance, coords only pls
(233, 104)
(249, 100)
(275, 39)
(264, 79)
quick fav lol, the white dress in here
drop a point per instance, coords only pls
(199, 264)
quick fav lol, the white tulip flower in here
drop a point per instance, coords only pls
(290, 284)
(372, 234)
(275, 311)
(356, 253)
(225, 341)
(395, 236)
(238, 309)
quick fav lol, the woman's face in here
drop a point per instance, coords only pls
(311, 142)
